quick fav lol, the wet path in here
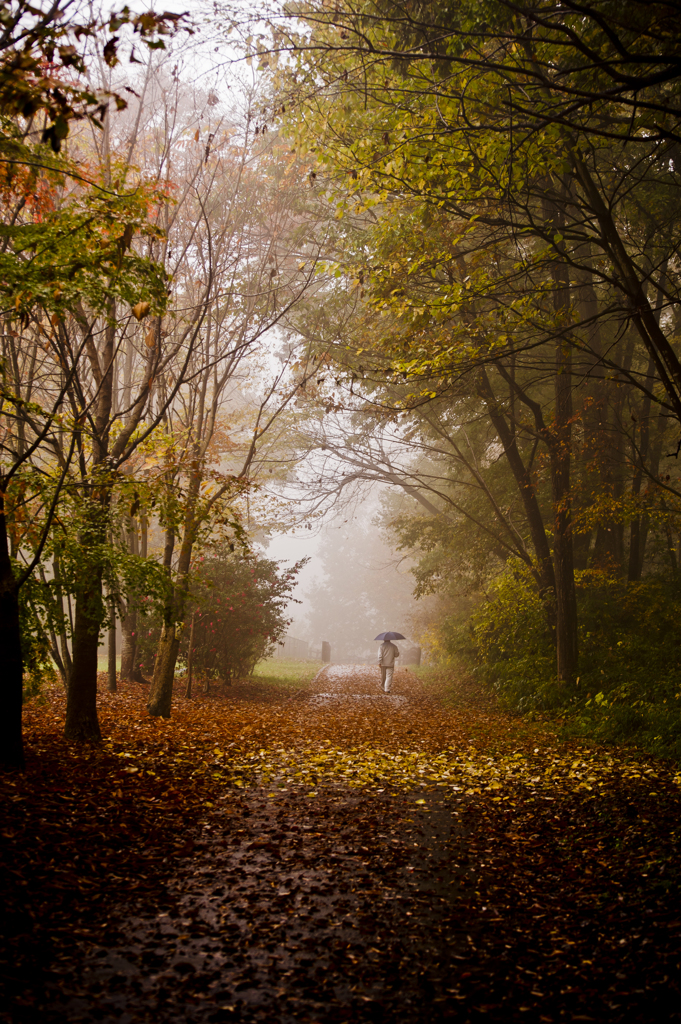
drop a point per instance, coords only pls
(291, 908)
(280, 920)
(359, 857)
(360, 686)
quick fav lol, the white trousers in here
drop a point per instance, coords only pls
(387, 676)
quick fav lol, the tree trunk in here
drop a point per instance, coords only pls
(112, 646)
(130, 669)
(639, 530)
(608, 551)
(594, 386)
(567, 648)
(637, 527)
(671, 549)
(62, 618)
(535, 522)
(11, 740)
(81, 706)
(57, 642)
(161, 695)
(567, 642)
(129, 618)
(128, 643)
(190, 659)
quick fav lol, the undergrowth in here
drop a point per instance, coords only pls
(629, 686)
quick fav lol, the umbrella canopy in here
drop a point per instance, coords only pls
(390, 636)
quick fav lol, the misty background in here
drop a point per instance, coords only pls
(355, 585)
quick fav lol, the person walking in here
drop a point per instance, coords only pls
(387, 653)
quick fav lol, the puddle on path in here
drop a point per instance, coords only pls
(394, 700)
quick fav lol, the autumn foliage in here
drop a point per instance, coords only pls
(327, 853)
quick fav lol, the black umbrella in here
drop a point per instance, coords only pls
(390, 636)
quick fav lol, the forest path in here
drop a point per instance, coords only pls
(412, 858)
(361, 682)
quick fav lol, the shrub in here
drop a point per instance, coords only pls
(238, 606)
(629, 688)
(239, 613)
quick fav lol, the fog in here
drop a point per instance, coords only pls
(354, 586)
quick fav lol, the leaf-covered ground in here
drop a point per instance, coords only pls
(335, 854)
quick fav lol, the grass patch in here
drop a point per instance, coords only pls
(454, 685)
(424, 672)
(432, 676)
(282, 672)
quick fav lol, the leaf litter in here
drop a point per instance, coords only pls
(270, 856)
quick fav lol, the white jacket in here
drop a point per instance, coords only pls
(387, 653)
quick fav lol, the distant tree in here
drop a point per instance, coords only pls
(362, 591)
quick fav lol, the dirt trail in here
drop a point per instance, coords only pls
(412, 857)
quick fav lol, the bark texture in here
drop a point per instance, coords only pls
(161, 695)
(113, 684)
(128, 643)
(560, 445)
(11, 741)
(81, 706)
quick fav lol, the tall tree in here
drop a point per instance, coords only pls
(43, 90)
(454, 116)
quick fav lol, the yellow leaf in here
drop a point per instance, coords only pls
(141, 310)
